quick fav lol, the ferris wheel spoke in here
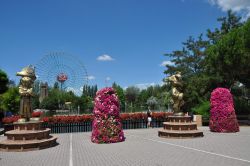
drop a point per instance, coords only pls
(66, 69)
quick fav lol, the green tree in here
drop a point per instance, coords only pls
(53, 101)
(228, 23)
(229, 58)
(36, 87)
(11, 84)
(190, 61)
(50, 103)
(35, 102)
(89, 90)
(220, 60)
(131, 95)
(197, 69)
(10, 100)
(152, 102)
(86, 104)
(164, 100)
(120, 94)
(86, 100)
(3, 82)
(56, 85)
(142, 97)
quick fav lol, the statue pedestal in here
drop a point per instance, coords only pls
(27, 136)
(179, 127)
(198, 120)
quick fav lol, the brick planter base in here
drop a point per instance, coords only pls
(179, 127)
(27, 136)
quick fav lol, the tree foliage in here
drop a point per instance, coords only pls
(3, 82)
(230, 57)
(132, 94)
(190, 61)
(89, 90)
(57, 99)
(152, 102)
(228, 23)
(221, 59)
(10, 100)
(120, 94)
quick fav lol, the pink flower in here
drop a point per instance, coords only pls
(107, 126)
(222, 113)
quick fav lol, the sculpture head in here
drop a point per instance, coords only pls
(28, 71)
(27, 80)
(172, 79)
(178, 75)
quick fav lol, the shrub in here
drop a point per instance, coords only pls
(241, 106)
(222, 113)
(202, 109)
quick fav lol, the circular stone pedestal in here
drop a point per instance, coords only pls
(27, 136)
(179, 127)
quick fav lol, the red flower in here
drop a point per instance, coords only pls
(68, 119)
(11, 119)
(37, 114)
(125, 116)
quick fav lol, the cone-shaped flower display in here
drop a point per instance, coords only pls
(222, 113)
(107, 125)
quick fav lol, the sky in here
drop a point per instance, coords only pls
(122, 41)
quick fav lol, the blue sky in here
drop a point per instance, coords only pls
(120, 41)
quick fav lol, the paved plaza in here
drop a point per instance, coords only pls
(142, 147)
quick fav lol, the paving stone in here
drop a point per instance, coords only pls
(142, 147)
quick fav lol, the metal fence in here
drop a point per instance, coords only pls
(87, 126)
(68, 127)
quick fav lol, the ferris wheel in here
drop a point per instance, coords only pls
(62, 69)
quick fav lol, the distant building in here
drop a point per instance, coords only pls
(43, 91)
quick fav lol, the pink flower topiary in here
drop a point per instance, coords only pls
(107, 125)
(222, 113)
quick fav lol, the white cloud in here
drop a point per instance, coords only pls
(107, 78)
(91, 77)
(142, 86)
(145, 85)
(239, 6)
(70, 89)
(164, 63)
(76, 91)
(105, 57)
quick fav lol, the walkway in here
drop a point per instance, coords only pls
(142, 148)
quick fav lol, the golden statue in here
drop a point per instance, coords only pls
(176, 93)
(26, 92)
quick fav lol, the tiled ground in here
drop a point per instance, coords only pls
(142, 147)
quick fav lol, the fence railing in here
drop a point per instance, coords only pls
(68, 127)
(87, 126)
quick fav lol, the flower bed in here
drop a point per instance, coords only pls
(68, 119)
(143, 116)
(222, 113)
(9, 120)
(89, 117)
(37, 114)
